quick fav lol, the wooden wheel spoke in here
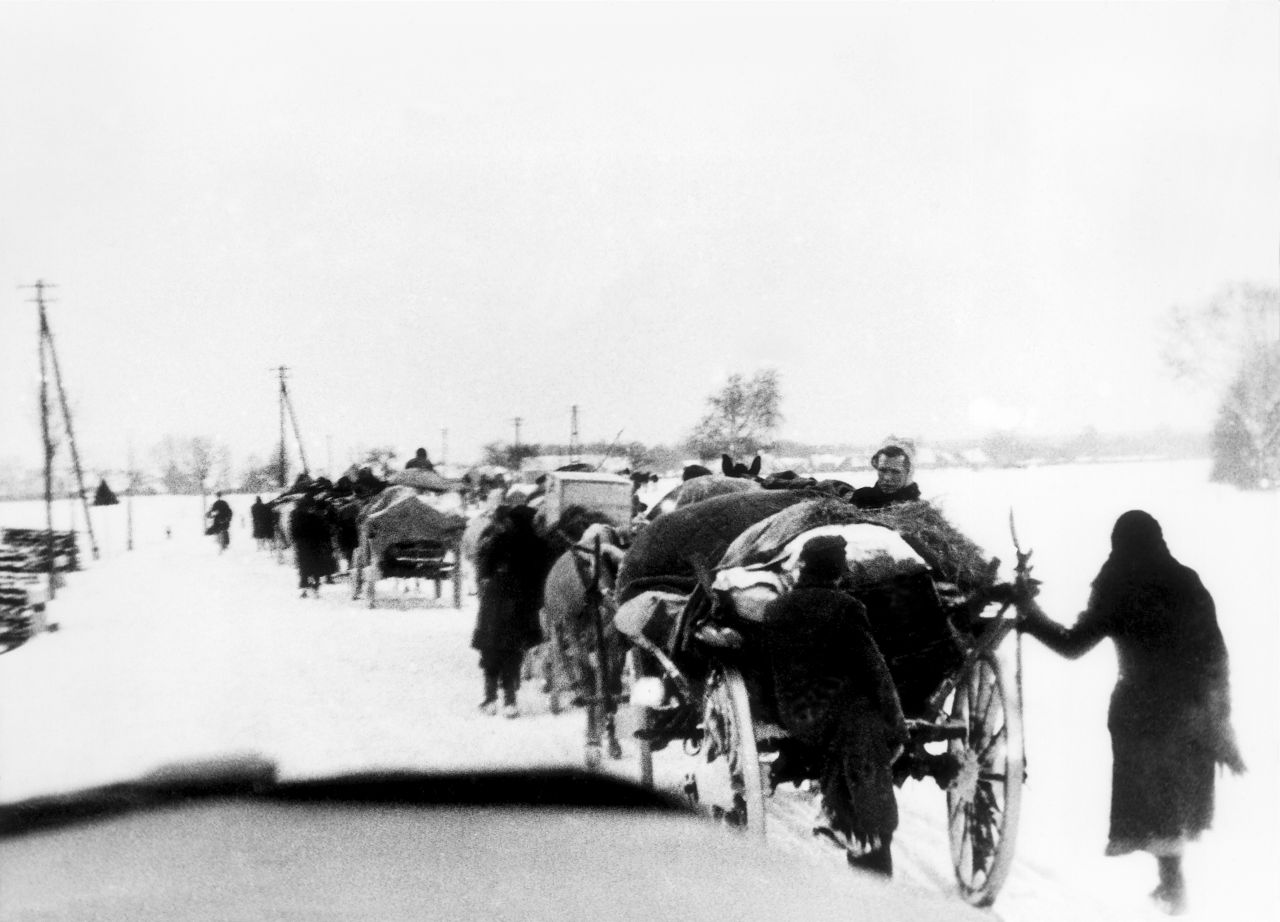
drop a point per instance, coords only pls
(983, 827)
(986, 802)
(994, 738)
(992, 698)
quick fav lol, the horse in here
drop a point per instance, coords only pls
(731, 468)
(583, 652)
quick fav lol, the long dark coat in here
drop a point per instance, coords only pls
(1170, 711)
(511, 566)
(312, 541)
(835, 694)
(263, 527)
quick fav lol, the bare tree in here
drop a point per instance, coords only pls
(741, 418)
(1231, 346)
(380, 459)
(169, 456)
(259, 476)
(511, 457)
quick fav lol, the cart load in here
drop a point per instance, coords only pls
(756, 700)
(402, 536)
(419, 479)
(673, 550)
(920, 580)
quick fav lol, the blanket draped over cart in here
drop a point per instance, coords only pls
(897, 578)
(670, 552)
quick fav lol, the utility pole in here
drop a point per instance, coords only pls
(444, 446)
(49, 355)
(283, 461)
(517, 420)
(573, 435)
(71, 435)
(286, 405)
(48, 449)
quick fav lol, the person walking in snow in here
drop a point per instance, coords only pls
(511, 565)
(1170, 715)
(263, 523)
(312, 543)
(220, 516)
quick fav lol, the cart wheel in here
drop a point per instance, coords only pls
(728, 778)
(983, 803)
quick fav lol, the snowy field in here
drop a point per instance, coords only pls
(173, 652)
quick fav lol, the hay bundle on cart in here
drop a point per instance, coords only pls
(756, 702)
(921, 580)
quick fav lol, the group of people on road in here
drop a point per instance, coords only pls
(1170, 714)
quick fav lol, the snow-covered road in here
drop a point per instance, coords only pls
(172, 652)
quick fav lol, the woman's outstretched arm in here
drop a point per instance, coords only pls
(1071, 642)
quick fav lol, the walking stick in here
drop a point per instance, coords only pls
(1024, 582)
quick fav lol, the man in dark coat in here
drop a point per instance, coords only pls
(1170, 715)
(511, 566)
(836, 696)
(893, 480)
(420, 462)
(220, 525)
(312, 543)
(263, 524)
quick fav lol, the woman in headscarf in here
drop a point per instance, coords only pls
(1170, 715)
(511, 566)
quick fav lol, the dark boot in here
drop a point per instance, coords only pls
(877, 861)
(1171, 896)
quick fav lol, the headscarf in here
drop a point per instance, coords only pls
(1140, 564)
(1138, 538)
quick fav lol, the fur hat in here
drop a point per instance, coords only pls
(824, 557)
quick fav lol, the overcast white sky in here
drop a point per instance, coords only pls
(931, 219)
